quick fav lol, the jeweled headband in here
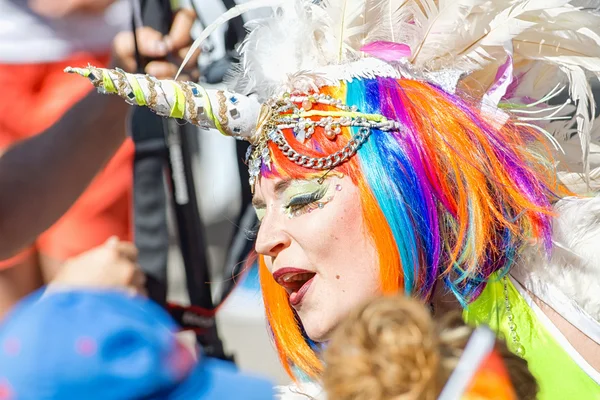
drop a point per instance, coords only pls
(284, 113)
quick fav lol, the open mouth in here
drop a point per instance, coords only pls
(296, 282)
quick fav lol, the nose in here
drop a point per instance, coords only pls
(271, 238)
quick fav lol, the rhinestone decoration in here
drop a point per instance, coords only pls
(249, 151)
(297, 112)
(512, 326)
(235, 114)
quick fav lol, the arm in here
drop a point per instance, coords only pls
(40, 178)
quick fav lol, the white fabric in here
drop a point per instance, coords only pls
(567, 308)
(302, 391)
(569, 281)
(28, 38)
(559, 337)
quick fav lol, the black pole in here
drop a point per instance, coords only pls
(191, 231)
(177, 157)
(151, 234)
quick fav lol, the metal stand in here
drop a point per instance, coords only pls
(162, 145)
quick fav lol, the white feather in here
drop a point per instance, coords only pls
(269, 57)
(229, 15)
(504, 27)
(347, 21)
(441, 28)
(581, 92)
(388, 20)
(551, 41)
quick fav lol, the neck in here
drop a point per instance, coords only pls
(443, 301)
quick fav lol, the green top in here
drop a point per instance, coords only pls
(558, 376)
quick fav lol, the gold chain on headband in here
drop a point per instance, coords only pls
(283, 113)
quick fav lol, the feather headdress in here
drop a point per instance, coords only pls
(509, 54)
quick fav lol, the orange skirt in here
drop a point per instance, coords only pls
(47, 93)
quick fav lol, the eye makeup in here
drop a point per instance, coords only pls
(260, 212)
(304, 197)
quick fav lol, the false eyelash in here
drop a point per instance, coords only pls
(306, 199)
(302, 202)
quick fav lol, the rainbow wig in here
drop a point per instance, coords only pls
(453, 197)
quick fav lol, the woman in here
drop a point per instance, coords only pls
(392, 348)
(407, 147)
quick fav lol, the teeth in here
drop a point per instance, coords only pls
(297, 277)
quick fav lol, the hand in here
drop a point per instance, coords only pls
(63, 8)
(112, 265)
(152, 44)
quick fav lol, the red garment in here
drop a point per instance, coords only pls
(47, 93)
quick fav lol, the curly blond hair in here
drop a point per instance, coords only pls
(392, 349)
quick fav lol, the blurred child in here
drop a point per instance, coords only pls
(392, 348)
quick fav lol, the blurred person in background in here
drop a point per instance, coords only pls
(81, 342)
(37, 40)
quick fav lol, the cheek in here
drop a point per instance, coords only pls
(355, 272)
(346, 251)
(354, 261)
(337, 244)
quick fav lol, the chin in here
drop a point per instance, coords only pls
(318, 336)
(316, 330)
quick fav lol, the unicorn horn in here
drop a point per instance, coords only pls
(230, 113)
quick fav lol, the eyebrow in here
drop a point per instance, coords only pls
(280, 187)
